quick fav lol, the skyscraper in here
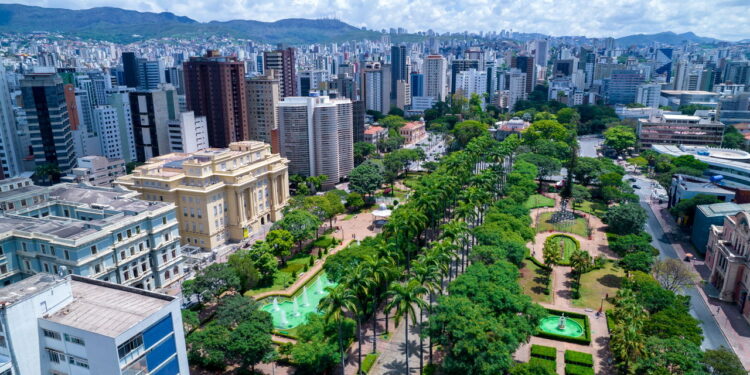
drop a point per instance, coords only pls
(417, 84)
(215, 88)
(119, 99)
(130, 69)
(458, 66)
(315, 134)
(150, 74)
(526, 65)
(373, 82)
(434, 81)
(282, 61)
(470, 82)
(263, 96)
(664, 62)
(10, 153)
(622, 88)
(47, 116)
(398, 70)
(151, 112)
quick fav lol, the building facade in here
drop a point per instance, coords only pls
(89, 231)
(221, 195)
(283, 62)
(188, 134)
(48, 122)
(316, 135)
(151, 111)
(727, 258)
(413, 132)
(215, 88)
(97, 171)
(263, 95)
(668, 129)
(75, 325)
(435, 72)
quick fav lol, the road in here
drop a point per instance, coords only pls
(713, 337)
(588, 145)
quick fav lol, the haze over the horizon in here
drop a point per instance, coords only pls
(593, 18)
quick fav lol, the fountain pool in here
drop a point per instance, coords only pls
(553, 324)
(292, 312)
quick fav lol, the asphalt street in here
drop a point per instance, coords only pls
(713, 337)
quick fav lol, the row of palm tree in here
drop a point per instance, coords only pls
(427, 242)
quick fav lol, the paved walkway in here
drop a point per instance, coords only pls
(734, 327)
(562, 293)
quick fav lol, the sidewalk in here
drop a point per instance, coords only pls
(732, 324)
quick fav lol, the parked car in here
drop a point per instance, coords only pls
(636, 186)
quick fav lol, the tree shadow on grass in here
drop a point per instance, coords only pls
(610, 281)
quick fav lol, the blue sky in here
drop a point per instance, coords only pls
(723, 19)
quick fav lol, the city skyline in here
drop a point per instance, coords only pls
(592, 18)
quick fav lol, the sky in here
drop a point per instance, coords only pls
(721, 19)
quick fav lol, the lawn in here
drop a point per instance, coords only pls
(597, 284)
(533, 282)
(368, 361)
(597, 209)
(538, 201)
(569, 246)
(283, 277)
(578, 226)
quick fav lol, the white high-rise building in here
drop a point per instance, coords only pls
(119, 99)
(435, 73)
(10, 153)
(542, 52)
(470, 82)
(648, 94)
(316, 135)
(373, 81)
(108, 128)
(188, 134)
(516, 87)
(52, 324)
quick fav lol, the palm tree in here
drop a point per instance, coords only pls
(360, 282)
(381, 272)
(394, 253)
(405, 297)
(628, 344)
(333, 305)
(426, 274)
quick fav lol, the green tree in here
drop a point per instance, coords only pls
(686, 208)
(212, 281)
(281, 242)
(250, 342)
(392, 122)
(673, 355)
(546, 166)
(47, 173)
(467, 130)
(207, 346)
(300, 223)
(258, 257)
(568, 116)
(580, 194)
(619, 138)
(723, 362)
(639, 261)
(628, 345)
(334, 305)
(354, 201)
(545, 129)
(362, 150)
(626, 218)
(630, 243)
(674, 322)
(233, 309)
(366, 178)
(406, 298)
(530, 369)
(587, 170)
(732, 138)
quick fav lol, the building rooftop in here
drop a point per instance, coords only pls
(688, 92)
(703, 187)
(411, 125)
(27, 287)
(681, 117)
(107, 309)
(374, 130)
(723, 209)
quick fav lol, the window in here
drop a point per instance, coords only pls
(55, 356)
(164, 220)
(44, 249)
(1, 251)
(3, 269)
(93, 248)
(122, 255)
(46, 267)
(23, 246)
(74, 339)
(119, 237)
(97, 268)
(130, 233)
(51, 334)
(137, 229)
(52, 251)
(129, 346)
(166, 275)
(78, 361)
(67, 255)
(2, 342)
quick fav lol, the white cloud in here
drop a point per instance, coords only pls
(724, 19)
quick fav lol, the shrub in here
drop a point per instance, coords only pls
(579, 358)
(548, 363)
(544, 352)
(312, 261)
(578, 370)
(294, 274)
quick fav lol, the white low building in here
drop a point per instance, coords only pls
(80, 326)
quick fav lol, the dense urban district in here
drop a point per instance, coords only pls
(397, 203)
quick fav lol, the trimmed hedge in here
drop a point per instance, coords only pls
(610, 321)
(581, 318)
(579, 358)
(539, 264)
(548, 363)
(578, 370)
(546, 352)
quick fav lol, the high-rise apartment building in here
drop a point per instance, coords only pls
(151, 112)
(435, 76)
(53, 324)
(458, 66)
(648, 94)
(416, 83)
(283, 62)
(310, 80)
(263, 95)
(470, 82)
(215, 88)
(150, 74)
(188, 133)
(119, 99)
(221, 194)
(375, 80)
(526, 65)
(130, 69)
(47, 116)
(10, 152)
(316, 135)
(622, 88)
(345, 86)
